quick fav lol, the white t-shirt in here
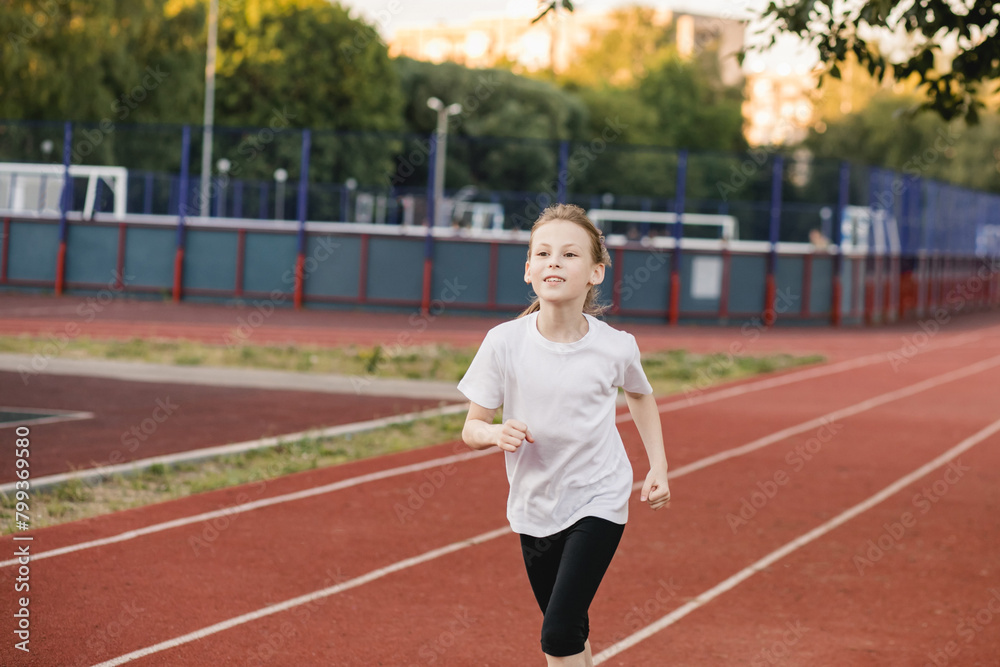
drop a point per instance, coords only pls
(565, 393)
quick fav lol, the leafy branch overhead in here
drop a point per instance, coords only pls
(553, 6)
(952, 48)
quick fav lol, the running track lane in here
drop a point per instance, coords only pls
(499, 505)
(364, 618)
(170, 418)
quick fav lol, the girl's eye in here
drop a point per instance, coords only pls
(571, 254)
(542, 253)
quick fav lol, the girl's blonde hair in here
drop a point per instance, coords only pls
(598, 251)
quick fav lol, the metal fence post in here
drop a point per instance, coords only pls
(66, 202)
(182, 212)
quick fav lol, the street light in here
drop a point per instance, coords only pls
(280, 176)
(223, 165)
(443, 113)
(209, 114)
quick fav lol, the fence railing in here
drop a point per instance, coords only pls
(276, 172)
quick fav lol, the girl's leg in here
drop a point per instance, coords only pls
(588, 548)
(541, 560)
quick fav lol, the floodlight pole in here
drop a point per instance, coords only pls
(209, 118)
(441, 153)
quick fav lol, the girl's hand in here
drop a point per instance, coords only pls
(511, 434)
(656, 489)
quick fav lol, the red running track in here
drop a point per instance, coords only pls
(819, 605)
(139, 420)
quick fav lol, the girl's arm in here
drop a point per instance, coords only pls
(646, 415)
(480, 432)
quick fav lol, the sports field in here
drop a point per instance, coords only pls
(845, 513)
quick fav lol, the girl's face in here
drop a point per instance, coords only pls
(561, 268)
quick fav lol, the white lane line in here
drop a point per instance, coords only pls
(423, 558)
(402, 470)
(303, 599)
(807, 374)
(138, 465)
(253, 505)
(833, 417)
(796, 544)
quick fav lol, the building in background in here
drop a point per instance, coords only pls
(487, 41)
(779, 105)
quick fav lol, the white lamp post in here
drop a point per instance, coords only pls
(209, 116)
(443, 113)
(223, 165)
(280, 176)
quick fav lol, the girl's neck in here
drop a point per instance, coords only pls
(562, 325)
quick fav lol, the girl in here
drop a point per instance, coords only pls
(556, 370)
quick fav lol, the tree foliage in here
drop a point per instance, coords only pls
(951, 48)
(882, 134)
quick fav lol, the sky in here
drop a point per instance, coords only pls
(390, 15)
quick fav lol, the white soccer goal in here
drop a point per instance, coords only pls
(37, 188)
(729, 230)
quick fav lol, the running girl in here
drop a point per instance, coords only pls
(556, 370)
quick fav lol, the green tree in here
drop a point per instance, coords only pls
(495, 103)
(952, 49)
(884, 135)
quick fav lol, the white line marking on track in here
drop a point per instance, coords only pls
(253, 505)
(796, 544)
(485, 537)
(831, 417)
(234, 448)
(303, 599)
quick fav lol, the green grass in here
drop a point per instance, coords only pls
(669, 372)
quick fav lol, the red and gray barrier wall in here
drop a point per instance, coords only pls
(335, 265)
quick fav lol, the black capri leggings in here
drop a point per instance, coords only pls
(565, 570)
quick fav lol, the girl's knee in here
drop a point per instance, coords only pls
(562, 638)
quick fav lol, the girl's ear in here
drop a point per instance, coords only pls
(527, 272)
(597, 277)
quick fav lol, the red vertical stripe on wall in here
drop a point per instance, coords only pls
(363, 271)
(241, 251)
(491, 289)
(120, 263)
(61, 268)
(5, 251)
